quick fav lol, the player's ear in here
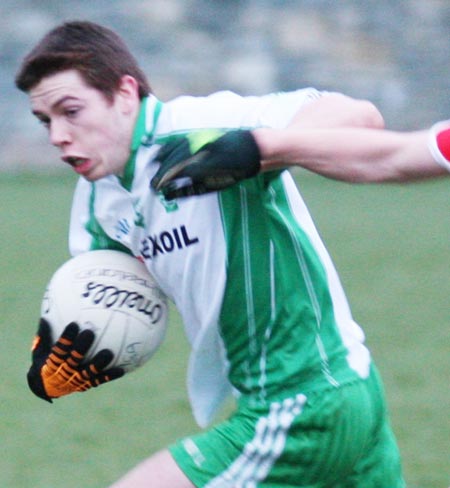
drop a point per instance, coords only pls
(128, 93)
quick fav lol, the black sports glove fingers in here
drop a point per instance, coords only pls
(92, 374)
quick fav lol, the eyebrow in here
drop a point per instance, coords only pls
(58, 102)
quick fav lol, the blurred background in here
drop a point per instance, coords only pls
(390, 243)
(393, 52)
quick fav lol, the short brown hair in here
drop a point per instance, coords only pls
(96, 52)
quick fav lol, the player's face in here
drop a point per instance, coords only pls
(92, 133)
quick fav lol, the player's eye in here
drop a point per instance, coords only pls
(45, 121)
(71, 112)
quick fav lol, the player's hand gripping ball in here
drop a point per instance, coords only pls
(61, 369)
(102, 316)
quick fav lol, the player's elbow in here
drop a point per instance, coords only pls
(356, 112)
(369, 116)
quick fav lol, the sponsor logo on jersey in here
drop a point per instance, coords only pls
(166, 242)
(122, 228)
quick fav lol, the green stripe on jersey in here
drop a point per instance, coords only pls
(99, 238)
(140, 136)
(277, 293)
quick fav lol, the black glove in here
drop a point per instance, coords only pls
(206, 161)
(59, 369)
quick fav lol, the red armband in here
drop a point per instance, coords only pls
(443, 143)
(439, 143)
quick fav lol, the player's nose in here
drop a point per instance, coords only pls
(59, 134)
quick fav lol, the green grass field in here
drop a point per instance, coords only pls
(391, 247)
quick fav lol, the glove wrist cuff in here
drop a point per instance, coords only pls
(249, 153)
(36, 384)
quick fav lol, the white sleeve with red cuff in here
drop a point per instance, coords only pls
(439, 143)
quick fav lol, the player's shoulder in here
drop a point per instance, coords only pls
(227, 98)
(184, 102)
(188, 112)
(229, 109)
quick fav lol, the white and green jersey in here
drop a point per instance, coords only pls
(261, 302)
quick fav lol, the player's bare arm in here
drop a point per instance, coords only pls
(351, 154)
(343, 138)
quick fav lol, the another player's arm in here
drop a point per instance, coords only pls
(343, 138)
(60, 369)
(356, 155)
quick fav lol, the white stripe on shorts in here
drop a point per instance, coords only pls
(261, 453)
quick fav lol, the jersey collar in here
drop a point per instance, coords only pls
(141, 135)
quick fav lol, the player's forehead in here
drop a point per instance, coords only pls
(56, 87)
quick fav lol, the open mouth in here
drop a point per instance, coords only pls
(74, 161)
(80, 165)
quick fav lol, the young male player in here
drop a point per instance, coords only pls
(261, 302)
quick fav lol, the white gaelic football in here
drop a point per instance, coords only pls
(114, 295)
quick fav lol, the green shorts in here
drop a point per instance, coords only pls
(333, 438)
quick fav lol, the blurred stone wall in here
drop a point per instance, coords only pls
(393, 52)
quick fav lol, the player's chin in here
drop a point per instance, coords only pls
(95, 173)
(90, 178)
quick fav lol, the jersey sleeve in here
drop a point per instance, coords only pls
(277, 110)
(227, 110)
